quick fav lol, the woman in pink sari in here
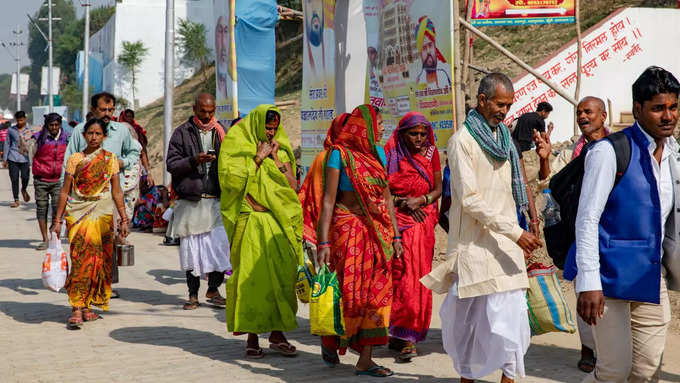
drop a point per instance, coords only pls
(415, 179)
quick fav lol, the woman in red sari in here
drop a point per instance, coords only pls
(414, 174)
(356, 237)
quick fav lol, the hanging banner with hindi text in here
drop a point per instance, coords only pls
(521, 12)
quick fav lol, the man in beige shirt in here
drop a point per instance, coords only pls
(484, 317)
(591, 115)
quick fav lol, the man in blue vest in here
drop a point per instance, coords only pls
(626, 237)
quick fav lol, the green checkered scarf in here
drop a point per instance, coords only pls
(501, 149)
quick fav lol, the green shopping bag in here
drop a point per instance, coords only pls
(325, 304)
(305, 280)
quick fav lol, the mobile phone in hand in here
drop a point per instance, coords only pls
(212, 152)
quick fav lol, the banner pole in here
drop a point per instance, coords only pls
(232, 56)
(519, 62)
(459, 98)
(467, 52)
(579, 57)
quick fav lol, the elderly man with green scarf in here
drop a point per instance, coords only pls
(263, 219)
(484, 316)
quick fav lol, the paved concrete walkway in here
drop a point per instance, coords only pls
(147, 337)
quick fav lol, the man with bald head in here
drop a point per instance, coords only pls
(591, 115)
(192, 162)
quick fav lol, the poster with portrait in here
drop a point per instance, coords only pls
(318, 78)
(410, 52)
(225, 59)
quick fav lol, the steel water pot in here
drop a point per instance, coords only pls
(125, 255)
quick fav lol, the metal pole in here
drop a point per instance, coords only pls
(169, 81)
(50, 91)
(86, 61)
(17, 32)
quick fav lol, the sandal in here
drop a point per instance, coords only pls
(90, 316)
(330, 357)
(216, 300)
(42, 246)
(284, 348)
(76, 319)
(192, 304)
(254, 353)
(587, 365)
(375, 371)
(15, 204)
(409, 351)
(115, 294)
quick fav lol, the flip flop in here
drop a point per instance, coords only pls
(42, 246)
(217, 300)
(284, 348)
(90, 316)
(374, 372)
(74, 322)
(407, 353)
(587, 365)
(254, 353)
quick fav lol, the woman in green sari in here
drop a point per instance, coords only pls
(263, 219)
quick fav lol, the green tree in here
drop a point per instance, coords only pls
(131, 58)
(193, 45)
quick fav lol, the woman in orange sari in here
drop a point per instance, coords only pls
(414, 174)
(91, 187)
(356, 237)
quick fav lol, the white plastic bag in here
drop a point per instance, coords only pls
(55, 265)
(167, 214)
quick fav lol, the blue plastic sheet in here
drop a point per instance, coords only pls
(255, 53)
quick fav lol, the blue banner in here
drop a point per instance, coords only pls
(255, 53)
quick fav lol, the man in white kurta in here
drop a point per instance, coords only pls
(484, 317)
(204, 247)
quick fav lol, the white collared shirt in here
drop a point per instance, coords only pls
(598, 182)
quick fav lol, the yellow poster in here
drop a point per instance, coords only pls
(410, 60)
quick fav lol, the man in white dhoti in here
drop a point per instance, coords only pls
(204, 248)
(485, 325)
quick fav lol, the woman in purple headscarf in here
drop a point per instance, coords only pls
(415, 179)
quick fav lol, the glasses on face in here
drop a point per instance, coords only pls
(416, 134)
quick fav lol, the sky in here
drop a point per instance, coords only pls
(13, 12)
